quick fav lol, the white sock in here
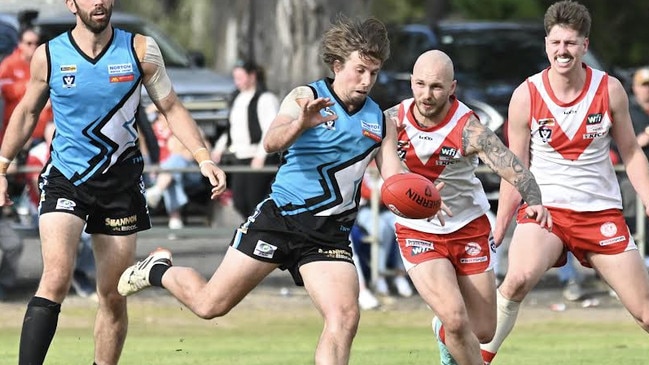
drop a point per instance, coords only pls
(507, 314)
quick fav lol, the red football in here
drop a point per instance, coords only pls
(410, 195)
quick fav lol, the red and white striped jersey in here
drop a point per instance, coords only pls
(437, 154)
(570, 145)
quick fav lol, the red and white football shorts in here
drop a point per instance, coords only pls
(469, 249)
(603, 232)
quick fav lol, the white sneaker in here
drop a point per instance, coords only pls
(175, 223)
(573, 291)
(153, 196)
(381, 287)
(367, 300)
(136, 277)
(403, 286)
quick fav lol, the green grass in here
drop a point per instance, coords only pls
(286, 333)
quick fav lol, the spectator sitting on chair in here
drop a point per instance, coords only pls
(173, 186)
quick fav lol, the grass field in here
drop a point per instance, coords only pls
(272, 329)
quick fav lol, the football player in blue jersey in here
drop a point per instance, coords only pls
(93, 75)
(328, 132)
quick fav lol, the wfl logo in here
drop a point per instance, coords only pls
(69, 81)
(330, 125)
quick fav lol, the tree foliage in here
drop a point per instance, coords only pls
(283, 35)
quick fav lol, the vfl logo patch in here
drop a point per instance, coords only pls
(69, 81)
(402, 146)
(264, 249)
(545, 129)
(330, 125)
(472, 249)
(65, 204)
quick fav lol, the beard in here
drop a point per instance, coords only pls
(92, 25)
(431, 110)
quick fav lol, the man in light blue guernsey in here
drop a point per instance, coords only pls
(328, 131)
(93, 76)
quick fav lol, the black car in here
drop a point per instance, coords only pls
(203, 91)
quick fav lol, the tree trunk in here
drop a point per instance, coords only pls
(283, 36)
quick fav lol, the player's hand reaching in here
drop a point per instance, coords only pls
(215, 175)
(443, 209)
(541, 215)
(310, 115)
(4, 192)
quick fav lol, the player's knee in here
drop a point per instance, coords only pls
(455, 323)
(342, 322)
(516, 285)
(211, 310)
(484, 335)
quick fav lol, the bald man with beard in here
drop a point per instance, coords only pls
(449, 261)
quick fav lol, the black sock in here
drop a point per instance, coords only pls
(155, 276)
(39, 326)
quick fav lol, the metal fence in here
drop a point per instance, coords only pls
(640, 217)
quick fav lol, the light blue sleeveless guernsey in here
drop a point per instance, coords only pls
(324, 168)
(94, 103)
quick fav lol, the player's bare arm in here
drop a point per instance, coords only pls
(477, 138)
(392, 115)
(635, 161)
(182, 125)
(387, 159)
(299, 110)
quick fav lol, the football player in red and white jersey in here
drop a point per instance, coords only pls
(449, 260)
(561, 122)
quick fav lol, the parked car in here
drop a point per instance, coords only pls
(204, 92)
(491, 59)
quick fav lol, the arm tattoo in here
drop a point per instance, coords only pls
(479, 139)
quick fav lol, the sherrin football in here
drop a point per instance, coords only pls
(410, 195)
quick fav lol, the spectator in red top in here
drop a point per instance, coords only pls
(14, 75)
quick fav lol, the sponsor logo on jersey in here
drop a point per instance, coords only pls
(65, 204)
(473, 260)
(69, 81)
(372, 136)
(121, 68)
(68, 68)
(594, 118)
(447, 156)
(594, 135)
(122, 78)
(264, 249)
